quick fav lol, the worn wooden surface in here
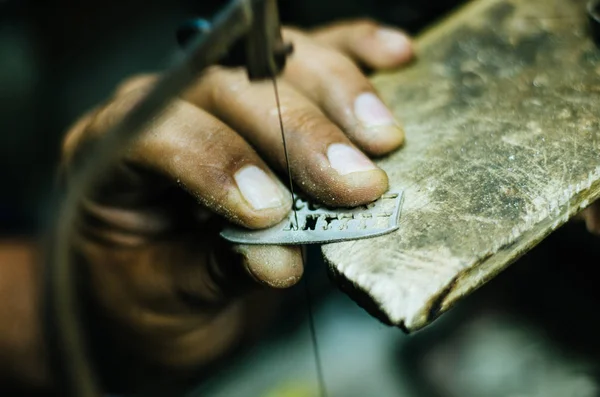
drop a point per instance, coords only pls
(502, 113)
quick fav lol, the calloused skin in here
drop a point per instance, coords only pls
(173, 294)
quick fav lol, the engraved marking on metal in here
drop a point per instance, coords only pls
(318, 224)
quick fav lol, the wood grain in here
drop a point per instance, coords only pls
(501, 112)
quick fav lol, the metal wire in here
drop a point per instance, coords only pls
(285, 151)
(311, 320)
(313, 334)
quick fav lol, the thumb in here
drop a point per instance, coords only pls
(229, 272)
(272, 265)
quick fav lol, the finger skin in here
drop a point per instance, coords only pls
(252, 111)
(163, 293)
(591, 215)
(342, 91)
(139, 290)
(165, 289)
(274, 266)
(368, 43)
(200, 154)
(169, 297)
(172, 150)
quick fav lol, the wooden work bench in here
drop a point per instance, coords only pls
(502, 117)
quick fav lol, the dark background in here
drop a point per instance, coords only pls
(59, 58)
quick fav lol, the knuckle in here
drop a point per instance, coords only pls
(151, 142)
(347, 76)
(306, 120)
(220, 85)
(311, 130)
(223, 161)
(339, 64)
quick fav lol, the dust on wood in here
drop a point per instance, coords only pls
(502, 113)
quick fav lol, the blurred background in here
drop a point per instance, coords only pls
(532, 332)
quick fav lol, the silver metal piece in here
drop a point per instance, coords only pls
(320, 225)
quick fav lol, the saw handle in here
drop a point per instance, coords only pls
(261, 50)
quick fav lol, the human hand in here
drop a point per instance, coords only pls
(171, 292)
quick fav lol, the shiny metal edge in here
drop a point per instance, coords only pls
(273, 236)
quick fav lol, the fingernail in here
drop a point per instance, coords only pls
(258, 188)
(371, 112)
(379, 123)
(396, 42)
(346, 160)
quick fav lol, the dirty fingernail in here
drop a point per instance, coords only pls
(346, 160)
(371, 111)
(259, 189)
(377, 119)
(396, 42)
